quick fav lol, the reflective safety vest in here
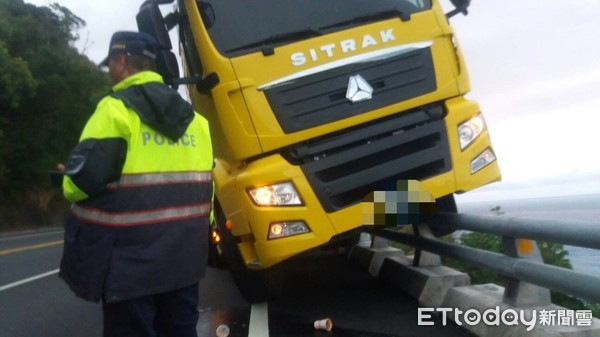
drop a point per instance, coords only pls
(126, 189)
(150, 160)
(140, 179)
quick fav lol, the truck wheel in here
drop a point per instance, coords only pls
(444, 204)
(253, 285)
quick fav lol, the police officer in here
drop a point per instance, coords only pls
(140, 182)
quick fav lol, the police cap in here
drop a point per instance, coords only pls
(131, 43)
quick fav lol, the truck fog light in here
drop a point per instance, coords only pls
(283, 229)
(484, 159)
(470, 130)
(283, 194)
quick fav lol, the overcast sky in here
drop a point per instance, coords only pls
(535, 70)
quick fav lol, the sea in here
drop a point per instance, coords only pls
(581, 208)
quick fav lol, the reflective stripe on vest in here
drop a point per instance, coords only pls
(144, 179)
(128, 219)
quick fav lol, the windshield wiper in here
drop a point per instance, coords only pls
(371, 17)
(267, 43)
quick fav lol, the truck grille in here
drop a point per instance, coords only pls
(321, 98)
(344, 167)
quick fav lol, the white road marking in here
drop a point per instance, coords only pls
(27, 280)
(259, 320)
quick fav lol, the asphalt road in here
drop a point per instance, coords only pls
(44, 306)
(34, 302)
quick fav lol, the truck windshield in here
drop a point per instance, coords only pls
(241, 26)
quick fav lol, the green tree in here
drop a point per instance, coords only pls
(552, 253)
(47, 92)
(16, 85)
(483, 241)
(16, 81)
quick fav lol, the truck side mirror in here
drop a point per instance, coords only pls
(150, 20)
(460, 6)
(207, 13)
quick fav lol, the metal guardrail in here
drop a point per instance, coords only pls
(582, 234)
(511, 265)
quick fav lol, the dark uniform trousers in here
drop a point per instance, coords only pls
(171, 314)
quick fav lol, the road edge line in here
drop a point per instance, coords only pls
(29, 279)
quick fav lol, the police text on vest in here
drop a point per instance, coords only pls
(162, 140)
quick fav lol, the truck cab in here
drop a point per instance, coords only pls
(314, 105)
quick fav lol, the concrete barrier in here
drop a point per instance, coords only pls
(450, 290)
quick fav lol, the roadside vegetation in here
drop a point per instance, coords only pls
(553, 253)
(48, 90)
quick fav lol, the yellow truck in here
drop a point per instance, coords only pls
(315, 104)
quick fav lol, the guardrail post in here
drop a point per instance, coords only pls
(423, 258)
(518, 293)
(378, 242)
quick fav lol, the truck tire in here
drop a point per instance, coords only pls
(445, 204)
(254, 285)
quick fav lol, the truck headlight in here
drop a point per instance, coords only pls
(283, 194)
(470, 130)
